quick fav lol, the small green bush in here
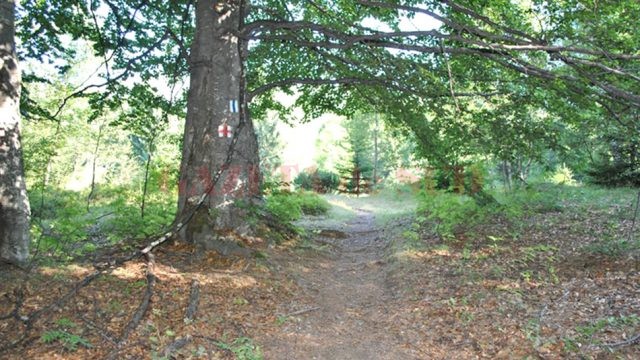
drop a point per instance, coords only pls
(304, 181)
(287, 206)
(327, 181)
(283, 206)
(321, 181)
(450, 212)
(64, 225)
(69, 340)
(312, 204)
(534, 199)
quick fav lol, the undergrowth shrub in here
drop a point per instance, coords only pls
(454, 213)
(539, 198)
(64, 225)
(450, 212)
(290, 206)
(320, 181)
(312, 204)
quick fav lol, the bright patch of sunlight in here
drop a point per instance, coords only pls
(508, 286)
(72, 270)
(301, 140)
(413, 254)
(416, 22)
(129, 272)
(563, 176)
(234, 280)
(339, 203)
(419, 22)
(441, 252)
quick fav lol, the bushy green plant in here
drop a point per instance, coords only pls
(450, 212)
(327, 181)
(321, 181)
(304, 181)
(454, 212)
(290, 206)
(533, 199)
(64, 226)
(69, 341)
(312, 204)
(563, 176)
(283, 206)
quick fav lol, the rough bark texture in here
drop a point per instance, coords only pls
(217, 77)
(14, 204)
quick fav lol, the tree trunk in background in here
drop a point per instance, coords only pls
(506, 173)
(217, 77)
(375, 151)
(14, 203)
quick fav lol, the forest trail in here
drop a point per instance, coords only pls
(346, 297)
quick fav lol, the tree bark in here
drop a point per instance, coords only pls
(14, 203)
(216, 79)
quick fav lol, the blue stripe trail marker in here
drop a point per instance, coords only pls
(233, 106)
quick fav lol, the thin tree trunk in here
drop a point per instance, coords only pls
(14, 202)
(144, 188)
(375, 151)
(506, 172)
(93, 168)
(217, 80)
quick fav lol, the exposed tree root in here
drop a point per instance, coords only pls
(102, 332)
(630, 341)
(176, 345)
(19, 300)
(142, 309)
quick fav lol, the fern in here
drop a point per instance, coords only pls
(69, 341)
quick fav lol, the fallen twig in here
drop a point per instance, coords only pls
(629, 341)
(29, 320)
(102, 332)
(303, 311)
(144, 304)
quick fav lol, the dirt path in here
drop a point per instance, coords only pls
(347, 294)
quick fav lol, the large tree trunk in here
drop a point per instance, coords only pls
(14, 204)
(217, 77)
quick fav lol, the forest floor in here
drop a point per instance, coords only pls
(368, 281)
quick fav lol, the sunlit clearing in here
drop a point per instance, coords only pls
(340, 204)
